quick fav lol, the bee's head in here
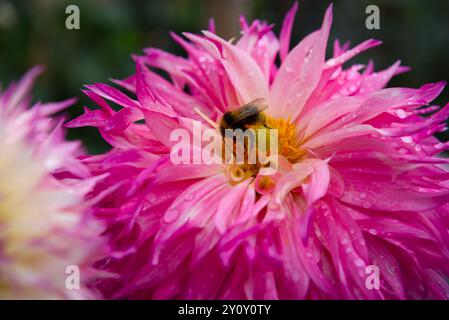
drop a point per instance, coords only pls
(226, 122)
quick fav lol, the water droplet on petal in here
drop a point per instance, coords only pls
(188, 197)
(359, 262)
(331, 62)
(171, 215)
(391, 269)
(407, 139)
(366, 205)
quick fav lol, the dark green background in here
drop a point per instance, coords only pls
(33, 32)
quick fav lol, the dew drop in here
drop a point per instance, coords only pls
(391, 269)
(331, 62)
(359, 262)
(188, 197)
(407, 139)
(401, 113)
(171, 215)
(352, 88)
(151, 198)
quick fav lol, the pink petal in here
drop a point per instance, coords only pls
(301, 70)
(286, 31)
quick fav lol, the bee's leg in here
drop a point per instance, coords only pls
(229, 150)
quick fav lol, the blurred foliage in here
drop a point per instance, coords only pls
(33, 32)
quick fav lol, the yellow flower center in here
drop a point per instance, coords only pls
(288, 143)
(288, 146)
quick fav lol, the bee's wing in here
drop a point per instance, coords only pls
(251, 109)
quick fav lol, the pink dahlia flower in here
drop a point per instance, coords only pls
(359, 182)
(46, 234)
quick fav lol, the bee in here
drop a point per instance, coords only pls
(249, 115)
